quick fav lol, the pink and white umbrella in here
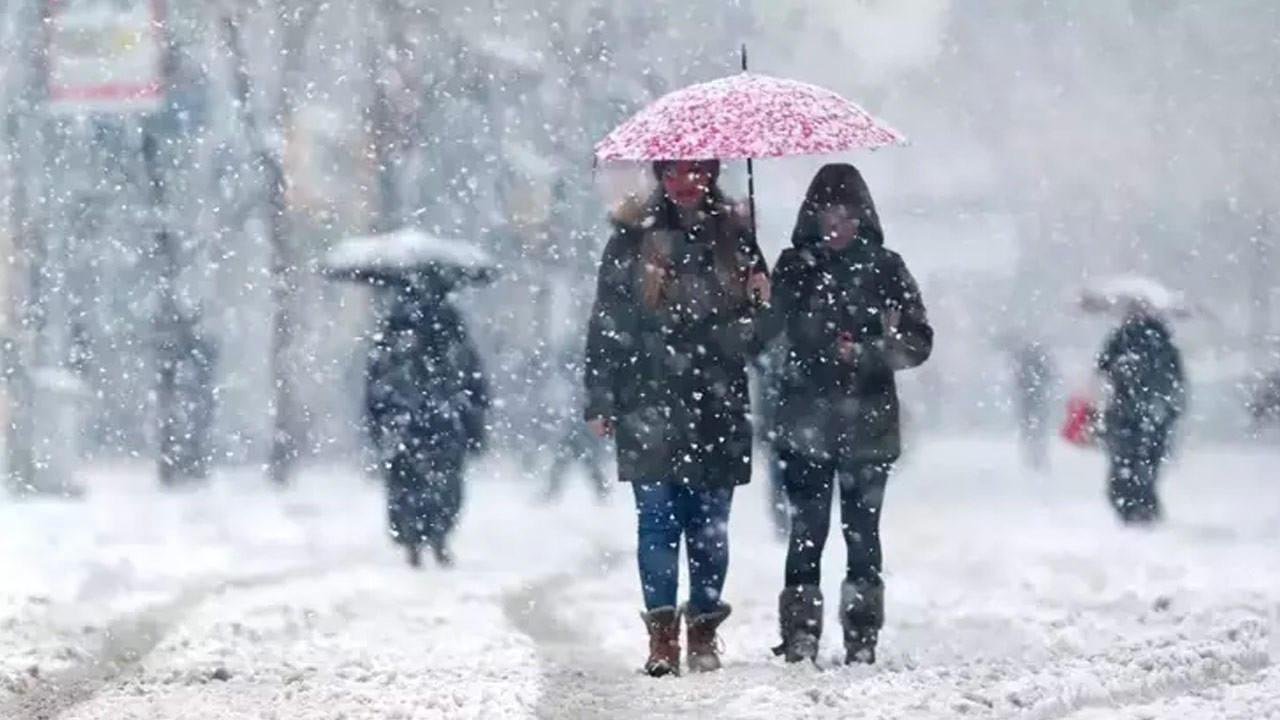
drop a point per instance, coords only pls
(746, 116)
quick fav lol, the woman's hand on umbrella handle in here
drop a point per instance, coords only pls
(600, 427)
(846, 347)
(759, 288)
(892, 321)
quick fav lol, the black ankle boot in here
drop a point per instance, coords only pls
(800, 621)
(861, 616)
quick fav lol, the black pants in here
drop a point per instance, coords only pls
(1033, 431)
(1137, 455)
(810, 486)
(424, 496)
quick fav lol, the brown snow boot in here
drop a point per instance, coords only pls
(664, 641)
(704, 651)
(800, 620)
(862, 616)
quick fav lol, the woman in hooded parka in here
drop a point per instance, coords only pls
(852, 317)
(666, 376)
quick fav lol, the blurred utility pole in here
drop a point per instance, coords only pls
(169, 349)
(24, 146)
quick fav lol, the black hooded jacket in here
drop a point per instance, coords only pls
(830, 407)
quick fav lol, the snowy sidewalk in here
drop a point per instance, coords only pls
(1009, 596)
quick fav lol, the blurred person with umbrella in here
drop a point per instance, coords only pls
(1142, 372)
(426, 392)
(575, 446)
(680, 288)
(1033, 378)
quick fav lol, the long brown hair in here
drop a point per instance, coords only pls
(720, 226)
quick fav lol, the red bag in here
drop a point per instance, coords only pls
(1080, 427)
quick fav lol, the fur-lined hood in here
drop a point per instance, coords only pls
(654, 213)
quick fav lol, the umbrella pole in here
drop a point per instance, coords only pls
(751, 171)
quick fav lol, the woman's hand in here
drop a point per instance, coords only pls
(759, 289)
(600, 427)
(846, 347)
(891, 319)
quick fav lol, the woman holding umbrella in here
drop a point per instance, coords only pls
(665, 358)
(853, 316)
(666, 376)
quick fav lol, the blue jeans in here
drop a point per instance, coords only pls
(666, 511)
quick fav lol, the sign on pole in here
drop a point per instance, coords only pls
(105, 56)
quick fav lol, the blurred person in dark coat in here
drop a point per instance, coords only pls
(575, 445)
(427, 399)
(1146, 389)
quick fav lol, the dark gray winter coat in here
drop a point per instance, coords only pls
(831, 408)
(426, 390)
(674, 379)
(1148, 387)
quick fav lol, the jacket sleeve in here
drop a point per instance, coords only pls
(909, 342)
(771, 323)
(1110, 352)
(474, 382)
(741, 331)
(475, 388)
(608, 335)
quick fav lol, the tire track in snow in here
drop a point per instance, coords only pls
(579, 680)
(1153, 675)
(130, 638)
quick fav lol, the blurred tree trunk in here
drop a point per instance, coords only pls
(294, 20)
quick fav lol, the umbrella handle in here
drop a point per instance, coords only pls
(751, 173)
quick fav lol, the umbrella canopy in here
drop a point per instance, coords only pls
(746, 116)
(404, 253)
(1122, 292)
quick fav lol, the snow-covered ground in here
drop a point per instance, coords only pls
(1010, 595)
